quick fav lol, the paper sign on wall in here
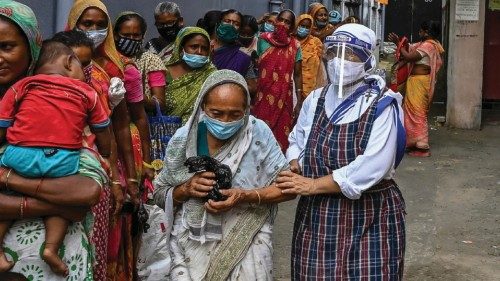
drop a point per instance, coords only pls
(467, 10)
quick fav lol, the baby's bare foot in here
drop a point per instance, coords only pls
(5, 264)
(55, 263)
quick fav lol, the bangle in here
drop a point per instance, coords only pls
(147, 165)
(25, 204)
(177, 201)
(117, 183)
(21, 208)
(132, 180)
(7, 179)
(258, 195)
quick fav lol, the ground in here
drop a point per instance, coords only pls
(452, 199)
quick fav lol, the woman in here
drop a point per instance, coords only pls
(227, 53)
(187, 70)
(321, 27)
(312, 50)
(221, 127)
(280, 62)
(424, 60)
(247, 35)
(70, 197)
(91, 17)
(349, 223)
(209, 22)
(129, 31)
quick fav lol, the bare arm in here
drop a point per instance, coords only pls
(292, 183)
(3, 132)
(10, 206)
(410, 56)
(297, 77)
(159, 94)
(73, 190)
(103, 141)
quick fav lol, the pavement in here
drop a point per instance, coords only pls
(452, 201)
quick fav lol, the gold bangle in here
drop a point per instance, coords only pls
(147, 165)
(21, 208)
(117, 182)
(258, 195)
(132, 180)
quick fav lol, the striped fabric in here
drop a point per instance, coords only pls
(336, 238)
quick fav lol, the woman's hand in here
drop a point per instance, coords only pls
(292, 183)
(133, 192)
(234, 197)
(148, 173)
(393, 37)
(117, 197)
(199, 185)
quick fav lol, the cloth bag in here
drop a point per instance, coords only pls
(153, 259)
(161, 128)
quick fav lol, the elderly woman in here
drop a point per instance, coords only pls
(230, 239)
(70, 197)
(168, 22)
(321, 26)
(349, 138)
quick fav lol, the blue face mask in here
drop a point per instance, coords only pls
(268, 27)
(302, 32)
(222, 130)
(194, 61)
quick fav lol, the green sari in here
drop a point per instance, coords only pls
(183, 91)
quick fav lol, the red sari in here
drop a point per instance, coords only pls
(274, 102)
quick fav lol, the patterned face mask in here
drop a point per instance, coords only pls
(87, 70)
(128, 47)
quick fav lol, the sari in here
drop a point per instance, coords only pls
(183, 91)
(274, 102)
(231, 57)
(419, 93)
(115, 258)
(312, 51)
(197, 249)
(26, 237)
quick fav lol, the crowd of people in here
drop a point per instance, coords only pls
(289, 103)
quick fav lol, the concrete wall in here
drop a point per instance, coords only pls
(465, 70)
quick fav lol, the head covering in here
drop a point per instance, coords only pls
(314, 9)
(354, 35)
(177, 52)
(24, 17)
(107, 48)
(303, 17)
(334, 17)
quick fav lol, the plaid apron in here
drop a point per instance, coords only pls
(336, 238)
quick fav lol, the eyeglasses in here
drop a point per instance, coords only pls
(167, 24)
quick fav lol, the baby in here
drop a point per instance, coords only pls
(43, 118)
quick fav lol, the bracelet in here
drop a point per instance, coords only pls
(258, 195)
(7, 179)
(38, 186)
(21, 208)
(116, 182)
(132, 180)
(25, 207)
(147, 165)
(177, 201)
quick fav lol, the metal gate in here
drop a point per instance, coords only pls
(491, 66)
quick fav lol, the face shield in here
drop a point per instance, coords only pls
(347, 61)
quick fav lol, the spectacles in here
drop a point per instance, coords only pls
(167, 24)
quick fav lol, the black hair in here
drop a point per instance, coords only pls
(190, 36)
(250, 21)
(127, 17)
(293, 17)
(73, 38)
(228, 12)
(51, 50)
(209, 21)
(351, 19)
(433, 28)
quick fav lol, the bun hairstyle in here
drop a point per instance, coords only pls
(209, 21)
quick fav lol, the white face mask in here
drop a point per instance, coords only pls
(352, 71)
(97, 36)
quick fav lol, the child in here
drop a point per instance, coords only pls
(43, 117)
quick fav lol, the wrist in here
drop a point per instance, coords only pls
(180, 194)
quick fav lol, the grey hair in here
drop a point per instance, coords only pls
(167, 7)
